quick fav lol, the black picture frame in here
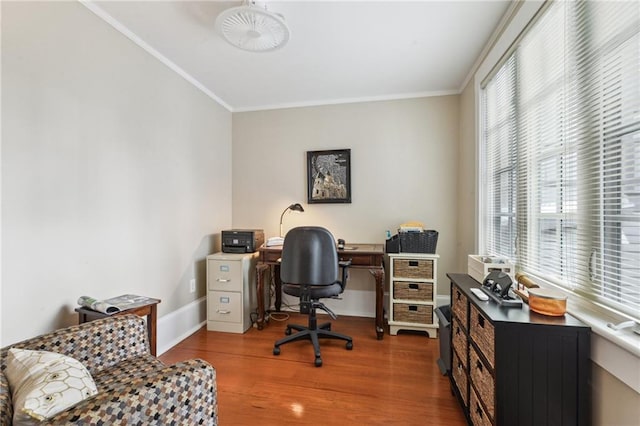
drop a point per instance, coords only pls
(329, 176)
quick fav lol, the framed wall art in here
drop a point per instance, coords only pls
(329, 176)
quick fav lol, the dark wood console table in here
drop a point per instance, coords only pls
(362, 256)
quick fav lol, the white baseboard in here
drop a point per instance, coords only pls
(180, 324)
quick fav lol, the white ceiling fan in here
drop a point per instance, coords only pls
(253, 28)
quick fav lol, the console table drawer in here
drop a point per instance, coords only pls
(459, 372)
(478, 416)
(459, 339)
(483, 381)
(483, 334)
(460, 306)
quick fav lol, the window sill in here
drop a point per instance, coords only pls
(617, 351)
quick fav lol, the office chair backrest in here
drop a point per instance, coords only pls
(309, 256)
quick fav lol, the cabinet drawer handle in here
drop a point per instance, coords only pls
(479, 365)
(413, 286)
(457, 330)
(413, 263)
(224, 312)
(223, 280)
(480, 320)
(458, 295)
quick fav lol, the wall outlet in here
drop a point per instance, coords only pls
(192, 285)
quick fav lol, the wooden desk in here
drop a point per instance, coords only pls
(365, 256)
(149, 309)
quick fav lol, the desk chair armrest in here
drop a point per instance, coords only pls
(344, 265)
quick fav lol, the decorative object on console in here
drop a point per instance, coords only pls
(294, 208)
(329, 176)
(253, 28)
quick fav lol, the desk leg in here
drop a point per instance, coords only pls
(378, 274)
(260, 269)
(152, 327)
(277, 283)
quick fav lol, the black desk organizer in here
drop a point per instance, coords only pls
(510, 301)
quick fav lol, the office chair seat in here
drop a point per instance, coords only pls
(309, 270)
(319, 292)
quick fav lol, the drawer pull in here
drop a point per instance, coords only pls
(413, 286)
(479, 365)
(223, 280)
(478, 410)
(413, 308)
(224, 312)
(480, 320)
(413, 263)
(457, 330)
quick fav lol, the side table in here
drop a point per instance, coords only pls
(148, 308)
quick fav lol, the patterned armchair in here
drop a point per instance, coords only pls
(134, 387)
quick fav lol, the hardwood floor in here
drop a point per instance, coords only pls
(389, 382)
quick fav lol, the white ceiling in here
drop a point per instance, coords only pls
(339, 51)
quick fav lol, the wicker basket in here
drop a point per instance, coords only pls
(420, 314)
(413, 268)
(483, 381)
(413, 242)
(413, 291)
(483, 334)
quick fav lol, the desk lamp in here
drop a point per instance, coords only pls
(293, 207)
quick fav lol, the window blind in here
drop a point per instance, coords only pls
(561, 150)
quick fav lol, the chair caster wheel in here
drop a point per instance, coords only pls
(349, 345)
(287, 332)
(318, 362)
(276, 350)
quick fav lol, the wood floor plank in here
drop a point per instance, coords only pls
(388, 382)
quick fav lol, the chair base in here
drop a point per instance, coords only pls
(314, 334)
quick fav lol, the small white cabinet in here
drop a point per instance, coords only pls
(412, 292)
(231, 291)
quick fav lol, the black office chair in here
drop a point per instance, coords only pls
(309, 270)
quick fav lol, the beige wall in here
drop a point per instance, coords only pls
(404, 167)
(116, 173)
(467, 176)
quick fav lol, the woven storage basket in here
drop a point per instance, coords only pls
(478, 415)
(483, 334)
(413, 291)
(460, 306)
(459, 341)
(458, 371)
(418, 242)
(413, 268)
(421, 314)
(483, 381)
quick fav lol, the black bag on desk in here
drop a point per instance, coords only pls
(413, 242)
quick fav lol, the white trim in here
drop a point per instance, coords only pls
(180, 324)
(349, 100)
(153, 52)
(520, 20)
(492, 40)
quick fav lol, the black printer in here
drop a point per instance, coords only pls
(242, 240)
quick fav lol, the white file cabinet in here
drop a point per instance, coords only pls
(231, 291)
(412, 292)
